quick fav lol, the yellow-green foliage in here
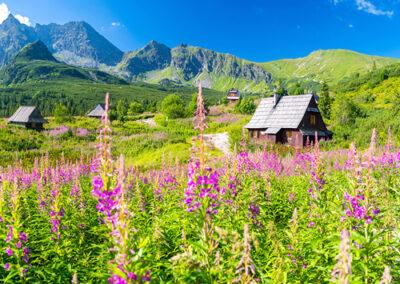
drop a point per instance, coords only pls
(170, 154)
(376, 107)
(328, 65)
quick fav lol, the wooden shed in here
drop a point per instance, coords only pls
(288, 120)
(98, 111)
(233, 96)
(28, 117)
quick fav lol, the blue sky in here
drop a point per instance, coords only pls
(258, 30)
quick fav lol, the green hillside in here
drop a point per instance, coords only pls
(326, 65)
(364, 102)
(35, 63)
(81, 95)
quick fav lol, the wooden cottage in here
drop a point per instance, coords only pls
(288, 120)
(233, 96)
(28, 117)
(98, 111)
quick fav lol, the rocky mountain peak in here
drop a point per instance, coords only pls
(153, 56)
(11, 20)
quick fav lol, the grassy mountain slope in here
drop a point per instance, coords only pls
(34, 62)
(326, 65)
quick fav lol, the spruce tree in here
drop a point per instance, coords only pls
(325, 101)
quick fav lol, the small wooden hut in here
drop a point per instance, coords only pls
(28, 117)
(233, 96)
(292, 120)
(98, 111)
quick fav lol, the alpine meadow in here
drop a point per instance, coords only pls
(125, 162)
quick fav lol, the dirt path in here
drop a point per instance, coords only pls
(148, 121)
(219, 141)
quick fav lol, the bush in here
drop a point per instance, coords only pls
(161, 120)
(172, 106)
(246, 106)
(135, 108)
(62, 114)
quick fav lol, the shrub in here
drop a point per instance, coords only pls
(161, 120)
(135, 108)
(246, 106)
(62, 114)
(172, 106)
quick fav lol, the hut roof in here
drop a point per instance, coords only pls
(287, 113)
(98, 111)
(25, 114)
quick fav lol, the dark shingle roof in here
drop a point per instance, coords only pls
(288, 113)
(98, 111)
(26, 114)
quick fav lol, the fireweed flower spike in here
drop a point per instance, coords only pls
(200, 124)
(120, 228)
(342, 269)
(245, 268)
(386, 277)
(111, 197)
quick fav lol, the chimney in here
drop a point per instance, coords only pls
(277, 97)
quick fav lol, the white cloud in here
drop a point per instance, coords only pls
(23, 20)
(370, 8)
(5, 12)
(351, 26)
(116, 24)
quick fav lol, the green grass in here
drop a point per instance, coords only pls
(328, 65)
(170, 154)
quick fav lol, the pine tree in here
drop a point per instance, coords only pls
(325, 101)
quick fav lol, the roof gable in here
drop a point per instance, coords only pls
(288, 113)
(25, 114)
(98, 111)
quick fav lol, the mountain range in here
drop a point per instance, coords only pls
(80, 45)
(34, 62)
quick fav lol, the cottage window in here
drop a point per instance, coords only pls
(313, 119)
(289, 134)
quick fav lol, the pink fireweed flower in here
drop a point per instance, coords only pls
(202, 189)
(58, 131)
(254, 212)
(146, 277)
(9, 251)
(165, 183)
(55, 220)
(82, 132)
(317, 174)
(116, 279)
(110, 193)
(132, 276)
(355, 208)
(23, 237)
(25, 256)
(9, 236)
(7, 266)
